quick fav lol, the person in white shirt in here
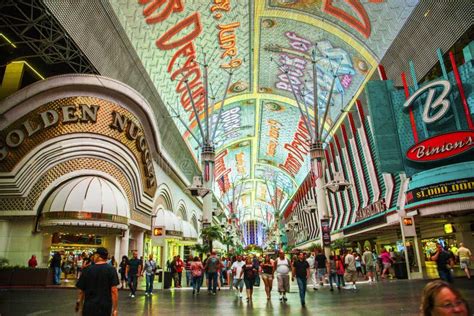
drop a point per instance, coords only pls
(310, 261)
(350, 274)
(283, 268)
(237, 272)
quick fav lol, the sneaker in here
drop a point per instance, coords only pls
(281, 298)
(132, 296)
(146, 293)
(315, 289)
(240, 295)
(285, 299)
(303, 304)
(331, 289)
(213, 293)
(194, 292)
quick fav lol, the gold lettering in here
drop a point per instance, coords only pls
(50, 118)
(69, 115)
(119, 121)
(89, 113)
(15, 138)
(29, 129)
(141, 143)
(132, 131)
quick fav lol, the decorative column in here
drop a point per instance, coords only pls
(140, 236)
(124, 243)
(317, 164)
(207, 160)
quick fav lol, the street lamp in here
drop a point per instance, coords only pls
(316, 149)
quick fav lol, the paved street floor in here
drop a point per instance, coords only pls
(399, 297)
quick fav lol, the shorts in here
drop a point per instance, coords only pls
(238, 283)
(464, 264)
(321, 272)
(350, 276)
(283, 283)
(369, 268)
(249, 283)
(266, 276)
(387, 265)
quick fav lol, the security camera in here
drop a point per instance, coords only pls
(337, 187)
(338, 184)
(217, 212)
(310, 210)
(197, 189)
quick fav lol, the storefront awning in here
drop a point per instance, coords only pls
(172, 224)
(189, 232)
(88, 201)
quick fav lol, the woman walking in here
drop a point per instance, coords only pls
(122, 271)
(267, 275)
(196, 274)
(386, 261)
(339, 272)
(332, 270)
(249, 272)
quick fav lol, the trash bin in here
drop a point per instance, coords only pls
(168, 279)
(400, 269)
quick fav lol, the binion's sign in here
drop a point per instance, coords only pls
(441, 146)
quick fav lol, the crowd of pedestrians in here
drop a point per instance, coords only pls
(99, 275)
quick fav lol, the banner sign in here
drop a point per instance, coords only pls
(440, 189)
(326, 232)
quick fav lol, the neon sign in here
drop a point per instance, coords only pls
(441, 147)
(441, 102)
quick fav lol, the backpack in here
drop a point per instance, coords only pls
(212, 264)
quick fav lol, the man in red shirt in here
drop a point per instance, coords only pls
(179, 269)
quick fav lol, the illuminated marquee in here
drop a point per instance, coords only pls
(77, 115)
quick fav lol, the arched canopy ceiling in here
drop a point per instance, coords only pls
(262, 139)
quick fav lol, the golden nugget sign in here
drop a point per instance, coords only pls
(76, 115)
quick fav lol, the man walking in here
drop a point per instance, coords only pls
(238, 282)
(301, 270)
(282, 268)
(211, 267)
(444, 262)
(55, 265)
(368, 261)
(134, 270)
(150, 269)
(312, 266)
(464, 259)
(351, 271)
(321, 262)
(98, 293)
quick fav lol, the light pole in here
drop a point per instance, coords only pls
(315, 130)
(205, 139)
